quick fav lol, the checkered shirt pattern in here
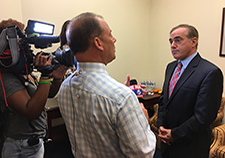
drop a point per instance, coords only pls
(103, 117)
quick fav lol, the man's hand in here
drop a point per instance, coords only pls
(127, 82)
(145, 111)
(165, 135)
(42, 60)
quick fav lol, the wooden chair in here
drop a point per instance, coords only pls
(217, 148)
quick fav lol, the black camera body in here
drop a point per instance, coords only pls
(64, 57)
(20, 61)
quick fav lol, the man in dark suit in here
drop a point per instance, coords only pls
(187, 110)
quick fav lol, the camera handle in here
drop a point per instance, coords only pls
(9, 36)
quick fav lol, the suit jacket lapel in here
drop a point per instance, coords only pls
(186, 74)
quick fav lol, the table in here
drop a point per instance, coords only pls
(149, 101)
(57, 132)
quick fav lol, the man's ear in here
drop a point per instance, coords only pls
(98, 43)
(194, 41)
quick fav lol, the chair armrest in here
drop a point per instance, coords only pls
(153, 119)
(218, 144)
(220, 114)
(153, 124)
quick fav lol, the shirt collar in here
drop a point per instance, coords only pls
(91, 67)
(186, 61)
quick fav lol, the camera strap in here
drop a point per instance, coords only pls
(9, 37)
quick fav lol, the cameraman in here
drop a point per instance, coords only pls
(25, 123)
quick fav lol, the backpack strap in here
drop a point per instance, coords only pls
(9, 37)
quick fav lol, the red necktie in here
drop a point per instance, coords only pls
(174, 78)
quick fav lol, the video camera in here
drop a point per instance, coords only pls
(20, 58)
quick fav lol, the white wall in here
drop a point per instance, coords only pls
(129, 20)
(141, 28)
(11, 9)
(205, 15)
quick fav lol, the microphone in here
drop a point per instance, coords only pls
(136, 88)
(133, 82)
